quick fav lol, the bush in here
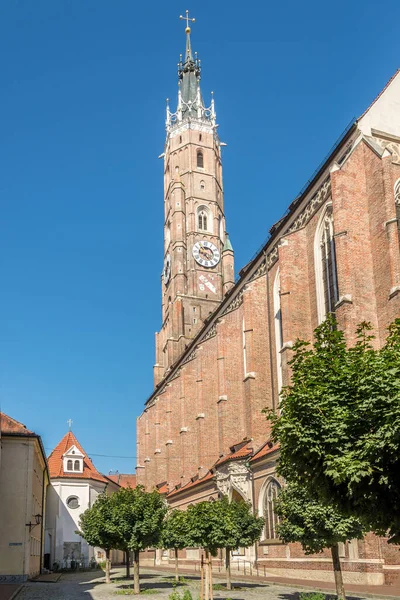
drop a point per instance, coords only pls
(312, 596)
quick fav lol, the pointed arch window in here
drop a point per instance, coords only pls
(69, 465)
(397, 203)
(200, 159)
(271, 519)
(278, 328)
(204, 219)
(325, 265)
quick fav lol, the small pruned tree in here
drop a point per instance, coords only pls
(236, 527)
(140, 516)
(98, 528)
(316, 526)
(175, 534)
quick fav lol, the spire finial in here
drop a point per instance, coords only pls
(69, 422)
(187, 19)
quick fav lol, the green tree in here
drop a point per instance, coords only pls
(236, 527)
(98, 528)
(140, 517)
(339, 429)
(222, 524)
(315, 525)
(175, 534)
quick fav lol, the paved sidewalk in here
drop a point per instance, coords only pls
(91, 586)
(370, 591)
(8, 591)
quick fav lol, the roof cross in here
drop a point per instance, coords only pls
(187, 19)
(69, 422)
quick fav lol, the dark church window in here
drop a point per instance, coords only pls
(325, 266)
(69, 465)
(77, 466)
(397, 203)
(200, 159)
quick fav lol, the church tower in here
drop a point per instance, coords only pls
(198, 256)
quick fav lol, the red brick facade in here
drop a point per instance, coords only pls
(215, 388)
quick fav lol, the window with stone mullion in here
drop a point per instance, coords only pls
(328, 257)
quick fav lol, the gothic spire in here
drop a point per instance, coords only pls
(190, 100)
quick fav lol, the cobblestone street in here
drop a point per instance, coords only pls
(86, 586)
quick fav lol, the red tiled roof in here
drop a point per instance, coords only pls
(265, 449)
(192, 483)
(163, 489)
(10, 425)
(238, 451)
(56, 466)
(123, 479)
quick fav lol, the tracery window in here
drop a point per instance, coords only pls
(200, 159)
(204, 219)
(271, 519)
(325, 266)
(397, 203)
(278, 328)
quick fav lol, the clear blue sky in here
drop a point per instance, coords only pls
(84, 84)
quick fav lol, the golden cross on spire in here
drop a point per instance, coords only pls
(187, 19)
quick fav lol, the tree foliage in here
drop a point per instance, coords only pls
(223, 524)
(315, 525)
(339, 429)
(175, 530)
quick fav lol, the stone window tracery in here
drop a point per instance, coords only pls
(278, 328)
(325, 266)
(397, 203)
(271, 519)
(204, 219)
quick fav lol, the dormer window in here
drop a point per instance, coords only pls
(73, 460)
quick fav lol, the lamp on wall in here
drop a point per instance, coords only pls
(38, 520)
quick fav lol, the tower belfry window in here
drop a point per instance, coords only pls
(202, 220)
(200, 159)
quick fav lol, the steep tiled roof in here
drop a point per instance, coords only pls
(123, 479)
(10, 425)
(192, 483)
(56, 466)
(237, 452)
(265, 449)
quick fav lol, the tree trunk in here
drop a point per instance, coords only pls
(202, 578)
(127, 564)
(176, 565)
(211, 578)
(207, 578)
(136, 583)
(228, 568)
(108, 566)
(338, 573)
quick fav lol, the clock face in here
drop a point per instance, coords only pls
(206, 254)
(167, 268)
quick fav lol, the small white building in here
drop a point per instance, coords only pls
(75, 485)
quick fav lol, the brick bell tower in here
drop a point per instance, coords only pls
(198, 256)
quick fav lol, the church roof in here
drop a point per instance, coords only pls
(9, 425)
(56, 463)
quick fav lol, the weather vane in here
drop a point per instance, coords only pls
(70, 421)
(187, 19)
